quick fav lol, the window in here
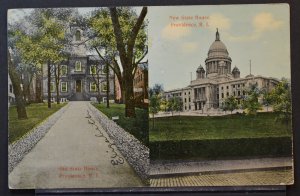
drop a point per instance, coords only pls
(222, 87)
(104, 86)
(227, 94)
(189, 99)
(184, 99)
(239, 86)
(52, 70)
(233, 86)
(93, 86)
(63, 87)
(78, 66)
(227, 87)
(10, 88)
(93, 69)
(239, 93)
(52, 87)
(104, 69)
(222, 95)
(64, 70)
(78, 35)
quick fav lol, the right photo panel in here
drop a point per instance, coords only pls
(220, 111)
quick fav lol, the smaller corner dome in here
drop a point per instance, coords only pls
(235, 69)
(200, 69)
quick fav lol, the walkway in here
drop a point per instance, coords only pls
(74, 154)
(263, 171)
(218, 166)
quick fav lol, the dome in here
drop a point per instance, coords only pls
(217, 48)
(200, 69)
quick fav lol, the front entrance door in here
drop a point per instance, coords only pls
(78, 86)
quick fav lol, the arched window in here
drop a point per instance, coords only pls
(78, 35)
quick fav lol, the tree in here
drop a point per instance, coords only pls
(230, 104)
(154, 106)
(119, 38)
(155, 94)
(96, 71)
(14, 58)
(132, 48)
(47, 40)
(15, 78)
(250, 102)
(175, 104)
(267, 98)
(156, 89)
(26, 73)
(163, 105)
(282, 101)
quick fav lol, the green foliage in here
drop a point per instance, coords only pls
(282, 101)
(163, 105)
(250, 102)
(157, 89)
(36, 114)
(103, 32)
(47, 41)
(175, 104)
(220, 148)
(230, 104)
(154, 105)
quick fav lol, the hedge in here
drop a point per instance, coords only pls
(220, 148)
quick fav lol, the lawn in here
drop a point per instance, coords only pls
(36, 112)
(217, 127)
(220, 137)
(136, 126)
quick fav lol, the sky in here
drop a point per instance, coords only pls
(260, 33)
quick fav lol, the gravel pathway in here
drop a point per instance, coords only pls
(131, 148)
(20, 148)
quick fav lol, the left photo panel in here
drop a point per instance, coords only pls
(78, 98)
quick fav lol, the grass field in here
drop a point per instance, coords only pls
(136, 126)
(36, 112)
(217, 127)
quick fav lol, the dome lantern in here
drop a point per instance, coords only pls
(200, 72)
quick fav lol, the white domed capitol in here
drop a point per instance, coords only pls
(217, 82)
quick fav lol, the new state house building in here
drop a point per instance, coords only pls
(217, 82)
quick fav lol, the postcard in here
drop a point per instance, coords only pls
(166, 96)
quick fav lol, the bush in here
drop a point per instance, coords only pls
(220, 148)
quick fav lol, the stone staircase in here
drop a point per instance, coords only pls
(77, 97)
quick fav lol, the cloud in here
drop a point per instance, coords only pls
(265, 21)
(217, 20)
(189, 47)
(261, 23)
(173, 33)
